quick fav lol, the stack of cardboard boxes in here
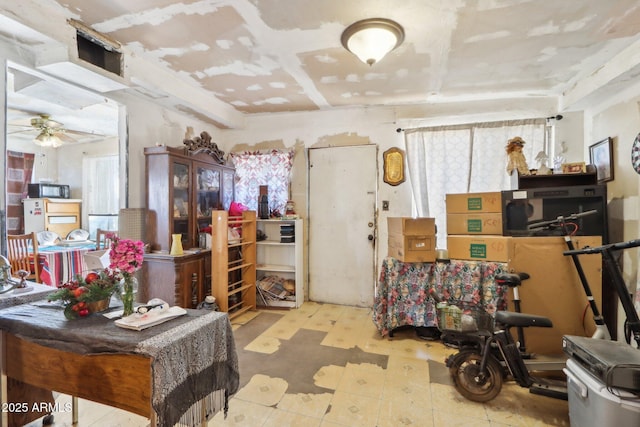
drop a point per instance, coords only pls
(474, 227)
(412, 239)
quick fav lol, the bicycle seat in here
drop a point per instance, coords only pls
(511, 279)
(510, 318)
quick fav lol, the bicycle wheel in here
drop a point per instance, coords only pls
(470, 382)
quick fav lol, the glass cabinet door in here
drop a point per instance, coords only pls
(227, 189)
(181, 201)
(207, 195)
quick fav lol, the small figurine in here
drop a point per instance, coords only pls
(23, 278)
(542, 158)
(517, 160)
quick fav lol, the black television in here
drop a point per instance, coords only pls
(523, 208)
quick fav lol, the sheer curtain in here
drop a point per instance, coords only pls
(100, 190)
(464, 159)
(271, 168)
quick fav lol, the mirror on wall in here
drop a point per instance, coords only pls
(59, 134)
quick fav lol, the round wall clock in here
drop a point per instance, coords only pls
(635, 154)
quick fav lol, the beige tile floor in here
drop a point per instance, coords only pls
(358, 394)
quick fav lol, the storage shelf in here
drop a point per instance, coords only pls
(240, 289)
(276, 267)
(235, 312)
(274, 243)
(240, 244)
(234, 271)
(283, 260)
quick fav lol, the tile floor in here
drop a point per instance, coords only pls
(364, 395)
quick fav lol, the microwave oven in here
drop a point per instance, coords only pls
(54, 191)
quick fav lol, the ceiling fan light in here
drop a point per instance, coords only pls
(371, 39)
(45, 139)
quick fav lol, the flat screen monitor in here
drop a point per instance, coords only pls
(523, 209)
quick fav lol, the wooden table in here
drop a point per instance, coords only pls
(137, 371)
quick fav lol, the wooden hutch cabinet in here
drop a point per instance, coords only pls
(184, 186)
(182, 191)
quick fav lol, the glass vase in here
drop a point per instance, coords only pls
(129, 286)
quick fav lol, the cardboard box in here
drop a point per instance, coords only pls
(554, 289)
(476, 223)
(480, 248)
(412, 248)
(411, 226)
(474, 202)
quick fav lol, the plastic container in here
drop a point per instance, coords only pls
(591, 403)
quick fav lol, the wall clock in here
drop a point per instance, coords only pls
(635, 154)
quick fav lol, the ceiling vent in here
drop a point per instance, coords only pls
(98, 49)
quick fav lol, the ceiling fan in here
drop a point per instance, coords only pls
(52, 133)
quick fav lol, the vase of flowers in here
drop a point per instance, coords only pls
(89, 294)
(126, 258)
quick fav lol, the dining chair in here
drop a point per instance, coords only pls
(23, 255)
(47, 238)
(104, 237)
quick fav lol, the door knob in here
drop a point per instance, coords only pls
(370, 237)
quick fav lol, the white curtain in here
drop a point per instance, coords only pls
(100, 190)
(464, 159)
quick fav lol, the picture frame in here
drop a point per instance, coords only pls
(601, 156)
(393, 166)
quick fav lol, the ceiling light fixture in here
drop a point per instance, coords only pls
(47, 139)
(371, 39)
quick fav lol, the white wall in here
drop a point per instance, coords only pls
(621, 122)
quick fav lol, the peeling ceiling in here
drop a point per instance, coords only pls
(240, 57)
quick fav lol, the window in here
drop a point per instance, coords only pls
(253, 169)
(464, 159)
(100, 192)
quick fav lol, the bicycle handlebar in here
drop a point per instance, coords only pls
(599, 249)
(561, 219)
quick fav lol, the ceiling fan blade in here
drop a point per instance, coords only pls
(64, 137)
(83, 133)
(20, 131)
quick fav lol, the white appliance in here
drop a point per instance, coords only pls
(34, 210)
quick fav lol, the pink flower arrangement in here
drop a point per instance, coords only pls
(126, 255)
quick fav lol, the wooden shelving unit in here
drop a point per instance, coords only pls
(282, 259)
(233, 263)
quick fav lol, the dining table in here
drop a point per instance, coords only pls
(181, 371)
(60, 263)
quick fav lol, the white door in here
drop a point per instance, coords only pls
(342, 224)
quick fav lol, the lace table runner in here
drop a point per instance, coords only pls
(193, 355)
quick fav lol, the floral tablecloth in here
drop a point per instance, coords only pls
(402, 296)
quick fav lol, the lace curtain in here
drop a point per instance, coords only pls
(464, 159)
(253, 169)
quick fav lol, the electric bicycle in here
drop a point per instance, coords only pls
(490, 355)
